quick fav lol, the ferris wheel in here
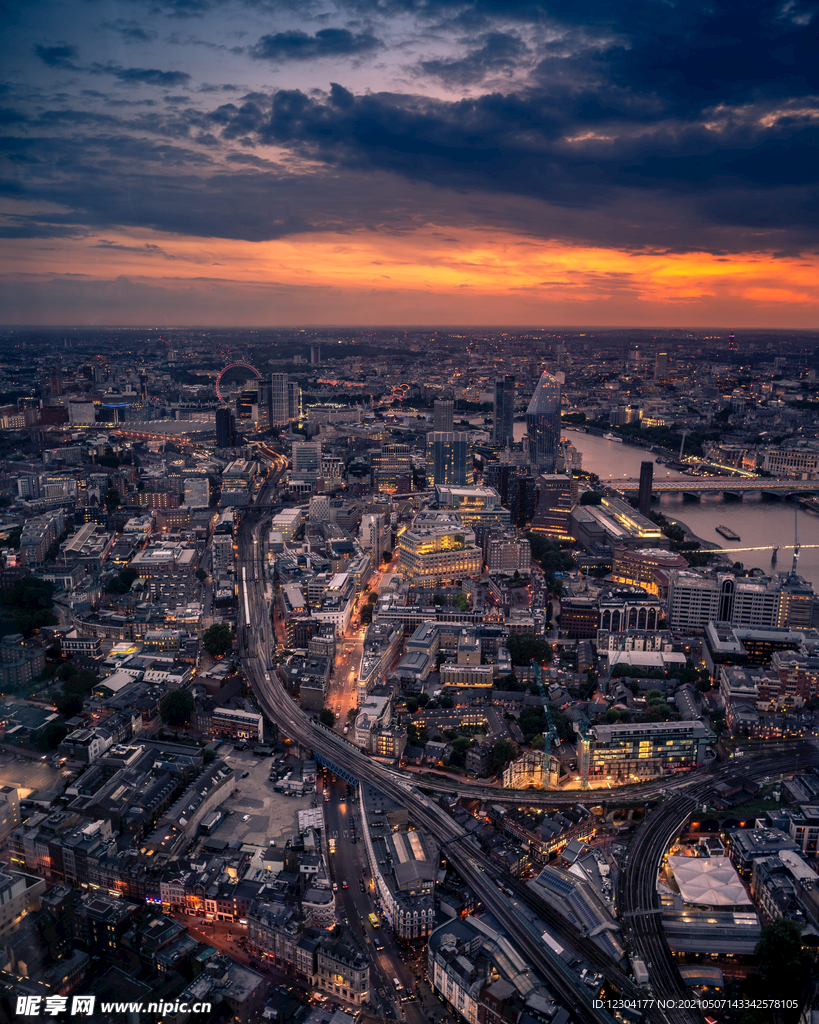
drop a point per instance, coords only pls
(233, 366)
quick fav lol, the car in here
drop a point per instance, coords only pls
(245, 774)
(353, 840)
(344, 884)
(245, 817)
(335, 886)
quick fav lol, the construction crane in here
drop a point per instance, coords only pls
(552, 732)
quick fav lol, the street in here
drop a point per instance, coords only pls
(347, 864)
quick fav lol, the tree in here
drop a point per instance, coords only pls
(462, 602)
(69, 705)
(502, 753)
(218, 640)
(53, 735)
(591, 498)
(366, 615)
(446, 701)
(386, 557)
(29, 603)
(201, 575)
(327, 717)
(784, 964)
(460, 745)
(525, 646)
(176, 708)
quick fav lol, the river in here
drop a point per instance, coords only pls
(759, 522)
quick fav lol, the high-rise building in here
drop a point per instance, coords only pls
(448, 458)
(503, 426)
(443, 413)
(55, 381)
(293, 400)
(543, 424)
(646, 479)
(263, 417)
(315, 355)
(374, 534)
(523, 494)
(306, 458)
(660, 365)
(279, 400)
(225, 428)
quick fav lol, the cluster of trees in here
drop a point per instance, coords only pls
(503, 751)
(533, 722)
(525, 646)
(122, 582)
(550, 556)
(28, 603)
(327, 717)
(176, 708)
(366, 615)
(218, 640)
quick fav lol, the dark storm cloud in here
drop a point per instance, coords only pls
(142, 76)
(130, 31)
(640, 125)
(327, 42)
(58, 56)
(500, 54)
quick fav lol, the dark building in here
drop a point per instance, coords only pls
(543, 424)
(646, 480)
(225, 428)
(443, 416)
(523, 495)
(502, 428)
(498, 475)
(578, 618)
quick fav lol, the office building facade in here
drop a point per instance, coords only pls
(543, 424)
(504, 420)
(448, 458)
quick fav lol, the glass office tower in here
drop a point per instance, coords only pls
(543, 424)
(503, 426)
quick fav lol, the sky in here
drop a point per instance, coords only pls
(430, 162)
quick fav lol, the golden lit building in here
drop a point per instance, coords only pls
(438, 549)
(640, 567)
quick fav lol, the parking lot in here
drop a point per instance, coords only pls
(34, 779)
(271, 815)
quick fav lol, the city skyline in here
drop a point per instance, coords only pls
(220, 163)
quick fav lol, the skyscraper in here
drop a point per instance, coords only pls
(293, 400)
(543, 424)
(660, 365)
(646, 479)
(225, 428)
(279, 400)
(315, 355)
(502, 428)
(443, 412)
(448, 458)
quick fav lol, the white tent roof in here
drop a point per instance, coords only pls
(712, 881)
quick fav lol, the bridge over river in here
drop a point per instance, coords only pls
(711, 484)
